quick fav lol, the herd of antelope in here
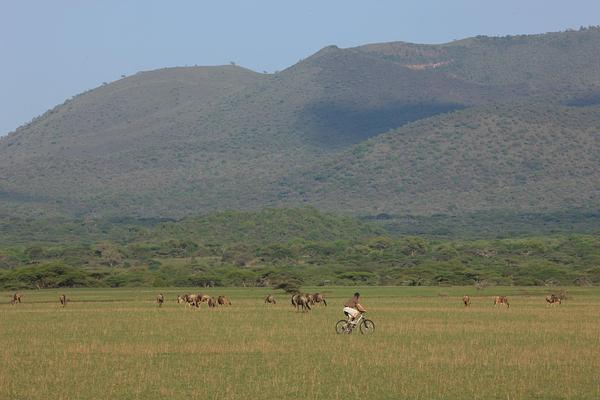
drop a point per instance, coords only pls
(301, 301)
(194, 300)
(551, 299)
(498, 301)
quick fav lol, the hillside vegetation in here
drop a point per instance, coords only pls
(544, 64)
(506, 124)
(298, 247)
(518, 158)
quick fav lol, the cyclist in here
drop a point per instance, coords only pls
(352, 308)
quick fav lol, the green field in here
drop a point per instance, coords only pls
(116, 344)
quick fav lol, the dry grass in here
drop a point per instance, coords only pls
(109, 344)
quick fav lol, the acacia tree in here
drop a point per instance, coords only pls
(110, 254)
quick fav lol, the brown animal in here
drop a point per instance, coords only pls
(211, 302)
(294, 297)
(63, 300)
(16, 298)
(466, 300)
(311, 299)
(203, 298)
(196, 299)
(319, 298)
(302, 302)
(501, 300)
(270, 299)
(192, 300)
(553, 299)
(160, 299)
(223, 301)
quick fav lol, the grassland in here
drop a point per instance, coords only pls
(115, 343)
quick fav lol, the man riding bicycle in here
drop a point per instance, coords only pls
(352, 308)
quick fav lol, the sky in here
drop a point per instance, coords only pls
(53, 50)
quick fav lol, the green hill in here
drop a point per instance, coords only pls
(548, 63)
(517, 158)
(472, 125)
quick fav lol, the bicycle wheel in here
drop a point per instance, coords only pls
(341, 326)
(367, 327)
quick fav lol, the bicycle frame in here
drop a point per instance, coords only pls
(356, 322)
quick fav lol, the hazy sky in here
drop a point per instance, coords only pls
(51, 50)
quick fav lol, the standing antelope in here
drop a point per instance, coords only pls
(63, 299)
(189, 299)
(16, 298)
(204, 298)
(301, 301)
(501, 300)
(467, 300)
(160, 299)
(223, 301)
(319, 298)
(211, 302)
(270, 299)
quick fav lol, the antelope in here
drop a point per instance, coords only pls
(223, 301)
(466, 300)
(301, 301)
(270, 299)
(501, 300)
(189, 299)
(203, 298)
(160, 299)
(16, 298)
(63, 300)
(319, 298)
(196, 299)
(553, 299)
(211, 302)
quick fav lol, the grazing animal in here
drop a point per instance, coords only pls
(311, 299)
(211, 302)
(294, 297)
(160, 299)
(270, 299)
(203, 298)
(553, 299)
(196, 299)
(302, 302)
(501, 300)
(63, 300)
(319, 298)
(16, 298)
(185, 299)
(466, 300)
(189, 300)
(223, 301)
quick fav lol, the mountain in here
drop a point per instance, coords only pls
(547, 64)
(477, 124)
(500, 157)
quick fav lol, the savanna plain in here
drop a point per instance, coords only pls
(117, 344)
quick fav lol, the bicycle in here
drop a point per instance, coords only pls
(365, 326)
